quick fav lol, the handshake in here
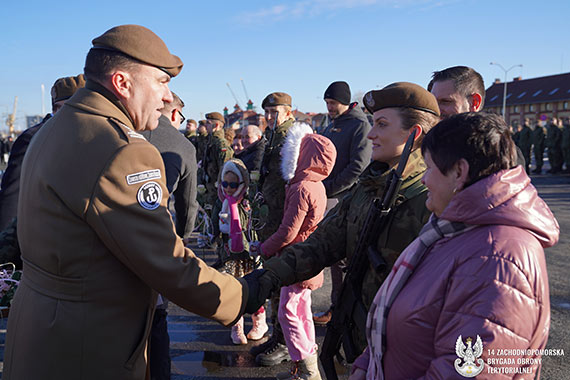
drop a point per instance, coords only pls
(261, 283)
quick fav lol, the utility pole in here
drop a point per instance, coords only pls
(505, 87)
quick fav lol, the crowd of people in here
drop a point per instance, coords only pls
(550, 134)
(107, 192)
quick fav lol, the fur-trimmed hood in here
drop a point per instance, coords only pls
(306, 156)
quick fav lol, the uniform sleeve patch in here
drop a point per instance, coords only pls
(147, 175)
(149, 195)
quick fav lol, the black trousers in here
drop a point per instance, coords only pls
(159, 357)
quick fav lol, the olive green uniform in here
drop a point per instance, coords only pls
(566, 146)
(273, 189)
(554, 144)
(337, 235)
(538, 136)
(218, 151)
(525, 143)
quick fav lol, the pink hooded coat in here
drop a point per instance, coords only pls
(490, 281)
(305, 194)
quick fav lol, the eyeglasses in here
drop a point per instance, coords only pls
(232, 185)
(181, 117)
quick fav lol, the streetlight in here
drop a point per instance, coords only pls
(505, 89)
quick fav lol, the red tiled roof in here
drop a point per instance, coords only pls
(547, 89)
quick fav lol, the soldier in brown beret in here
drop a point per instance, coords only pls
(279, 118)
(96, 236)
(217, 152)
(398, 110)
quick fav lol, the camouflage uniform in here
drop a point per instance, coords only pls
(525, 143)
(566, 146)
(553, 143)
(273, 189)
(336, 236)
(538, 135)
(218, 151)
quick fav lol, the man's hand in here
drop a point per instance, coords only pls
(261, 283)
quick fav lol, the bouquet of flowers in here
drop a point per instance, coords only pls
(9, 280)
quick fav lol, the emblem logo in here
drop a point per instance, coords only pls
(469, 355)
(369, 99)
(150, 195)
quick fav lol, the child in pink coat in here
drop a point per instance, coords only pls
(306, 159)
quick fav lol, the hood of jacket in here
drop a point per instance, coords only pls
(237, 167)
(306, 156)
(506, 198)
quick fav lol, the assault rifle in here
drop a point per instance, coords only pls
(264, 170)
(349, 315)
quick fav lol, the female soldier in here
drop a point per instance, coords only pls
(397, 109)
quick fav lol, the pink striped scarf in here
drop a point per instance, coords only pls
(434, 230)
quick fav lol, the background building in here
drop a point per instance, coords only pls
(532, 98)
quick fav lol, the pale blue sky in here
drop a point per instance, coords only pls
(296, 46)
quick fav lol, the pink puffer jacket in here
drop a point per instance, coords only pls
(489, 282)
(305, 194)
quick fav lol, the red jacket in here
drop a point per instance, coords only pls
(490, 281)
(305, 195)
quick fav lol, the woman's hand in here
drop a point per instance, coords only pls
(358, 374)
(255, 248)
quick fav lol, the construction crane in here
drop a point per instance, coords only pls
(11, 118)
(234, 95)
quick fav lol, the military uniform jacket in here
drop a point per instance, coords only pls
(218, 152)
(96, 239)
(273, 189)
(337, 235)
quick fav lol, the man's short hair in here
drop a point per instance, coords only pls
(100, 63)
(466, 81)
(176, 103)
(254, 129)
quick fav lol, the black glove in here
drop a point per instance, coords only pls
(261, 283)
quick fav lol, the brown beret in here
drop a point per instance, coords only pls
(202, 122)
(276, 99)
(401, 95)
(64, 88)
(191, 121)
(215, 116)
(142, 44)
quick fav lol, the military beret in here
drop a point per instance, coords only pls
(64, 88)
(215, 116)
(276, 99)
(142, 44)
(191, 121)
(401, 95)
(202, 122)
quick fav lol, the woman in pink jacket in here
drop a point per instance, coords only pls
(469, 297)
(306, 159)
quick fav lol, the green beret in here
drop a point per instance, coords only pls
(64, 88)
(215, 116)
(401, 95)
(142, 44)
(276, 99)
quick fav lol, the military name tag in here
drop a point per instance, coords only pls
(143, 176)
(149, 195)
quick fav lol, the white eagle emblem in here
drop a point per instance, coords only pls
(369, 99)
(469, 355)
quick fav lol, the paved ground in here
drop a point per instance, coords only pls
(202, 350)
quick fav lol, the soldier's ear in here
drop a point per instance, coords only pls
(121, 84)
